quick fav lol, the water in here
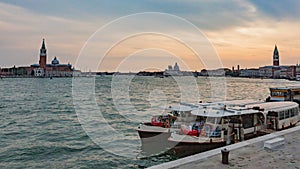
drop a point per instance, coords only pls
(39, 127)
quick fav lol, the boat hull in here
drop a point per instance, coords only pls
(153, 136)
(154, 139)
(150, 133)
(186, 148)
(188, 145)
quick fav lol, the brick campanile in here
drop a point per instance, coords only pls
(276, 57)
(43, 55)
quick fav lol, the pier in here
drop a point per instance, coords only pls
(247, 154)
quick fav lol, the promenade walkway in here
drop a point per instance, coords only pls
(247, 154)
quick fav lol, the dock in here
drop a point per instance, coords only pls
(247, 154)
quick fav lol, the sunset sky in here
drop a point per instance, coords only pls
(242, 33)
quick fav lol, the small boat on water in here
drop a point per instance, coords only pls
(154, 135)
(220, 124)
(284, 94)
(160, 126)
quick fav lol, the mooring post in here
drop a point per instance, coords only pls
(225, 156)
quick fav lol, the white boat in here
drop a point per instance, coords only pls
(284, 94)
(222, 123)
(160, 125)
(154, 135)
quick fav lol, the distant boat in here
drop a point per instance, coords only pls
(278, 94)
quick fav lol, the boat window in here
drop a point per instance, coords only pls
(226, 120)
(278, 93)
(296, 112)
(281, 115)
(286, 114)
(184, 114)
(248, 120)
(272, 113)
(292, 113)
(218, 120)
(200, 119)
(210, 120)
(296, 92)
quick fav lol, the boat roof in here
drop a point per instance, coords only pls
(286, 88)
(181, 107)
(231, 103)
(275, 106)
(231, 109)
(222, 112)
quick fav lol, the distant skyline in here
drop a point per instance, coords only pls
(243, 32)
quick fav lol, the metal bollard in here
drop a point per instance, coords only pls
(225, 155)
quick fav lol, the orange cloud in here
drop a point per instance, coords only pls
(155, 50)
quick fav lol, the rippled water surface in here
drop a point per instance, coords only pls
(39, 127)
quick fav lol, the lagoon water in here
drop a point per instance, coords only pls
(40, 128)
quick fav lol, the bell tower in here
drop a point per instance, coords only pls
(43, 55)
(276, 57)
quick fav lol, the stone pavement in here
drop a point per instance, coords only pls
(247, 154)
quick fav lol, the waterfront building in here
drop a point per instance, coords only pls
(217, 72)
(249, 72)
(266, 71)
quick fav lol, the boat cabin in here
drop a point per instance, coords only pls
(172, 115)
(284, 94)
(237, 121)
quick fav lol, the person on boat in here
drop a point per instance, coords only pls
(216, 132)
(195, 126)
(172, 118)
(175, 113)
(261, 119)
(167, 123)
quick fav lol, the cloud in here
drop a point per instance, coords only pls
(22, 31)
(239, 29)
(278, 10)
(252, 45)
(206, 14)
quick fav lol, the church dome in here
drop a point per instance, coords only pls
(55, 61)
(176, 67)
